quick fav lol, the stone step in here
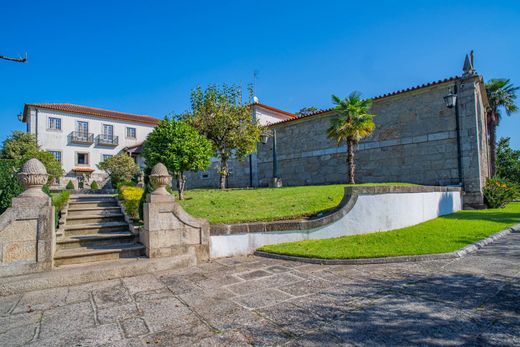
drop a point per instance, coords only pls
(89, 255)
(92, 197)
(93, 211)
(95, 240)
(90, 219)
(88, 204)
(83, 229)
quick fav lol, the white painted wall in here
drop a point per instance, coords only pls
(371, 213)
(58, 140)
(265, 116)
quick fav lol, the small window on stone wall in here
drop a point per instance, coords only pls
(204, 175)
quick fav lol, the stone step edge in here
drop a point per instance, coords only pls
(87, 216)
(97, 208)
(85, 252)
(76, 274)
(396, 259)
(86, 202)
(95, 237)
(95, 225)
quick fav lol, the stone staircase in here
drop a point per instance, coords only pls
(95, 230)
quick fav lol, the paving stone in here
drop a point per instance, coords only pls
(67, 318)
(189, 332)
(273, 281)
(18, 336)
(262, 299)
(19, 320)
(111, 296)
(178, 284)
(254, 274)
(216, 283)
(133, 327)
(142, 283)
(42, 300)
(116, 313)
(277, 269)
(290, 317)
(82, 292)
(266, 334)
(164, 313)
(225, 339)
(153, 295)
(7, 303)
(305, 287)
(107, 334)
(486, 265)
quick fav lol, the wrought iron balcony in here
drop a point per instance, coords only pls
(81, 137)
(107, 140)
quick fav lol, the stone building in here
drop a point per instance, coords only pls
(418, 139)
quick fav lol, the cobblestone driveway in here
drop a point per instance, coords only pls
(257, 301)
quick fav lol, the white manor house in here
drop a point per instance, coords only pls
(80, 137)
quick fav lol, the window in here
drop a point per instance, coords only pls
(54, 123)
(204, 175)
(82, 158)
(108, 132)
(82, 128)
(105, 157)
(56, 154)
(131, 133)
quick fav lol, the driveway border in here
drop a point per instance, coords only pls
(397, 259)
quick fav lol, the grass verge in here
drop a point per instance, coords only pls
(265, 204)
(441, 235)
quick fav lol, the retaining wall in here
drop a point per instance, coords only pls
(362, 210)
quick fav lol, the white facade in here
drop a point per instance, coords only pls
(40, 120)
(266, 115)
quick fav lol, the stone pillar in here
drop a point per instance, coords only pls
(168, 229)
(27, 229)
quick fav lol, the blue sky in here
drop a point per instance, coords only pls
(145, 56)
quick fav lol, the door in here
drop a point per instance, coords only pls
(108, 133)
(82, 129)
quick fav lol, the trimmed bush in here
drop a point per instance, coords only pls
(69, 185)
(130, 197)
(499, 192)
(9, 185)
(58, 201)
(94, 185)
(125, 184)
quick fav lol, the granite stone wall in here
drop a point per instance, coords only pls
(415, 141)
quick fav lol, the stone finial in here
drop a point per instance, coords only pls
(160, 178)
(468, 67)
(33, 176)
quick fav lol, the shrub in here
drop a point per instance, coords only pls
(125, 184)
(9, 185)
(499, 192)
(58, 201)
(94, 185)
(69, 185)
(130, 197)
(120, 168)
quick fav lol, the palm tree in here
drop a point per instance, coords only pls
(352, 124)
(500, 93)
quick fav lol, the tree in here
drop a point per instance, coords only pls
(501, 94)
(18, 145)
(305, 111)
(508, 161)
(21, 147)
(352, 124)
(221, 115)
(180, 147)
(120, 168)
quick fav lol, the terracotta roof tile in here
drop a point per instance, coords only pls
(83, 169)
(93, 112)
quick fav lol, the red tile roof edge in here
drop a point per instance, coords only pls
(401, 91)
(274, 109)
(92, 111)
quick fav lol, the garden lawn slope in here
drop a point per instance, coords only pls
(441, 235)
(264, 204)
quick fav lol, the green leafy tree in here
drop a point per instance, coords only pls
(10, 187)
(21, 147)
(353, 123)
(18, 145)
(501, 95)
(120, 167)
(508, 161)
(180, 147)
(220, 114)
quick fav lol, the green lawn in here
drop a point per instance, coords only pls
(264, 204)
(441, 235)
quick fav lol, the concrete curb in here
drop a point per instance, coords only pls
(398, 259)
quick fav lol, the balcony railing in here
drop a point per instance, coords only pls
(81, 137)
(107, 140)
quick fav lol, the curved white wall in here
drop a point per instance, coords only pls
(370, 213)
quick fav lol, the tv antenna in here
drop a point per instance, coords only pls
(17, 60)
